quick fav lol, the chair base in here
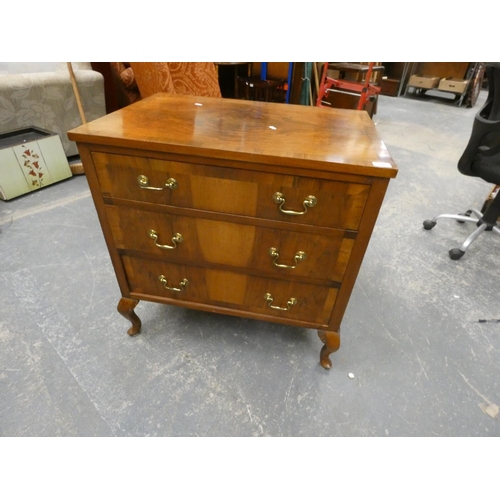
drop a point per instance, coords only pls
(457, 253)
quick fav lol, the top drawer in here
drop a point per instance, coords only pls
(289, 198)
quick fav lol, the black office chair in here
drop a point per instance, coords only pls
(481, 158)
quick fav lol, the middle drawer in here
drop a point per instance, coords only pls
(267, 250)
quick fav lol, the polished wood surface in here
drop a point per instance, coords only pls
(230, 289)
(227, 190)
(332, 344)
(208, 207)
(126, 308)
(237, 244)
(325, 139)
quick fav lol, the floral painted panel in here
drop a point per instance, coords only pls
(33, 165)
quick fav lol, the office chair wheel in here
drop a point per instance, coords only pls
(456, 253)
(429, 224)
(467, 214)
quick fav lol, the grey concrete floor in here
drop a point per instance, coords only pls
(423, 365)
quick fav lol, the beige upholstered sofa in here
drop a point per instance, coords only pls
(41, 95)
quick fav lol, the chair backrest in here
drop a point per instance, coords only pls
(482, 153)
(127, 91)
(191, 78)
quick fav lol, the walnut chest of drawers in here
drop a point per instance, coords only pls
(253, 209)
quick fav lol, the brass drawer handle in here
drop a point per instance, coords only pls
(299, 256)
(279, 199)
(183, 284)
(269, 299)
(176, 239)
(144, 184)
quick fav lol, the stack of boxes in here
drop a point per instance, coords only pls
(456, 85)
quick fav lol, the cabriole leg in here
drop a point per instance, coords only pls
(332, 344)
(126, 309)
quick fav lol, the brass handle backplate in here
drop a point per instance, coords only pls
(299, 256)
(279, 199)
(183, 284)
(269, 299)
(176, 239)
(143, 182)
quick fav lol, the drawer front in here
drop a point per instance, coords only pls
(300, 200)
(267, 250)
(271, 297)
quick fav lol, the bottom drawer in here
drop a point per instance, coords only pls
(261, 296)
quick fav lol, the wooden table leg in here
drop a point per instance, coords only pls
(332, 344)
(126, 308)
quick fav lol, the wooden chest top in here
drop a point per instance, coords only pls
(333, 140)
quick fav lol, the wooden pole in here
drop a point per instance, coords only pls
(76, 168)
(316, 78)
(76, 92)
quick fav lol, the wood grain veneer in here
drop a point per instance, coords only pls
(229, 225)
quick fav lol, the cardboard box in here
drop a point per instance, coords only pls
(30, 159)
(424, 81)
(453, 85)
